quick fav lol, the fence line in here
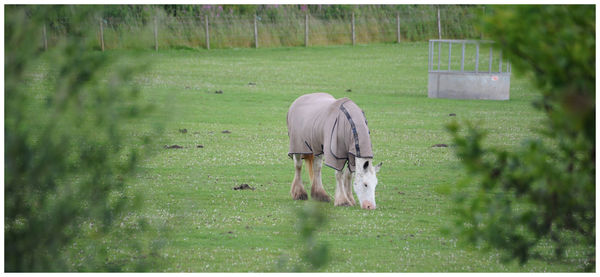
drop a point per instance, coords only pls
(229, 31)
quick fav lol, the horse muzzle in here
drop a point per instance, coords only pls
(367, 205)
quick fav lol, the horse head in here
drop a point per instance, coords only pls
(365, 182)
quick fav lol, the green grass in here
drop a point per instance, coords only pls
(213, 228)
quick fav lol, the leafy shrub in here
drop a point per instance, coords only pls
(314, 253)
(542, 192)
(68, 155)
(311, 219)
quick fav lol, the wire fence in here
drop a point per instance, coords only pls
(237, 31)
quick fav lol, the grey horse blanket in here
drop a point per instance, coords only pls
(337, 128)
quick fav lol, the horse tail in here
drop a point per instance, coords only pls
(309, 158)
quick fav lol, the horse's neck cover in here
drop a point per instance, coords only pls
(337, 128)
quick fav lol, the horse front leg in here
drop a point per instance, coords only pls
(297, 191)
(317, 191)
(341, 198)
(347, 177)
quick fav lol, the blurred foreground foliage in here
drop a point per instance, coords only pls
(311, 220)
(68, 152)
(314, 252)
(543, 192)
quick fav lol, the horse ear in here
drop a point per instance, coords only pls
(378, 167)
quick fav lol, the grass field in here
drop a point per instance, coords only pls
(213, 228)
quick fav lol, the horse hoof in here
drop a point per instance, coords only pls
(344, 204)
(321, 197)
(325, 199)
(302, 196)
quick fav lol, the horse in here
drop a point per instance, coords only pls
(322, 128)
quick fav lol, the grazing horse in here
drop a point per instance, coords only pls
(320, 128)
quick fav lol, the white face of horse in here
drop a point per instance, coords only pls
(365, 181)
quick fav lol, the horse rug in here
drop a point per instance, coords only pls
(336, 128)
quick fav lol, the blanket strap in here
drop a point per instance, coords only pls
(356, 144)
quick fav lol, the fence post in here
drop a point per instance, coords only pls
(500, 61)
(101, 34)
(353, 31)
(449, 54)
(462, 58)
(477, 57)
(155, 34)
(255, 33)
(481, 35)
(398, 26)
(430, 57)
(439, 24)
(490, 61)
(306, 30)
(439, 54)
(206, 31)
(45, 37)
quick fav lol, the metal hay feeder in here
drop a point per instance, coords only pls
(449, 81)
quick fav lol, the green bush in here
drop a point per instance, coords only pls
(312, 219)
(68, 155)
(543, 192)
(313, 252)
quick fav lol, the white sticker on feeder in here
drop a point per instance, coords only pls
(494, 78)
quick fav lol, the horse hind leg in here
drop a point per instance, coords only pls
(297, 191)
(317, 191)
